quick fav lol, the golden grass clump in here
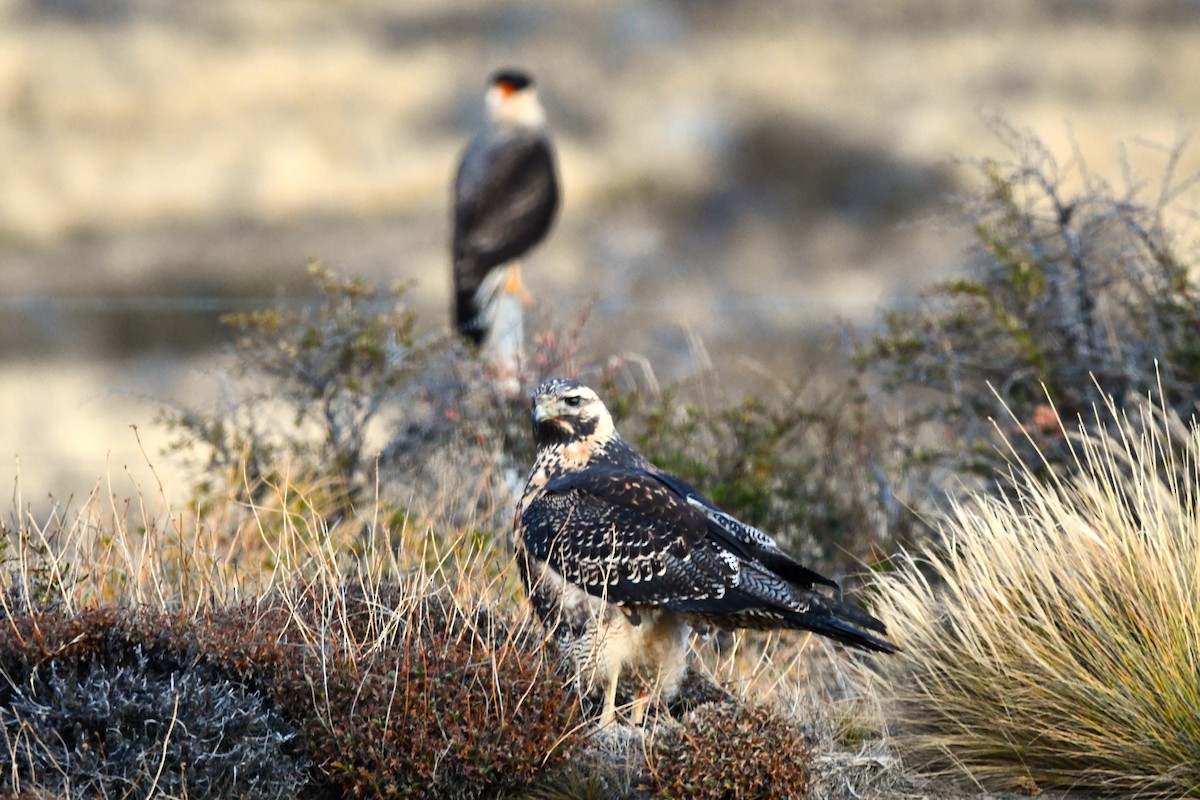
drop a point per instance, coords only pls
(1054, 635)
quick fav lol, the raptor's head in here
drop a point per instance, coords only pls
(512, 100)
(565, 411)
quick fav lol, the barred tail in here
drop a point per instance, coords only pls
(842, 623)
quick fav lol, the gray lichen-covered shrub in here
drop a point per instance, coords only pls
(392, 691)
(89, 710)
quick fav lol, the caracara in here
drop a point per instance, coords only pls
(505, 199)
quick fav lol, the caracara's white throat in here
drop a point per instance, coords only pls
(515, 108)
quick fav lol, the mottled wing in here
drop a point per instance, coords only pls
(782, 587)
(621, 535)
(746, 540)
(758, 548)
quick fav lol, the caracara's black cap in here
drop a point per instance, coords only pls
(514, 79)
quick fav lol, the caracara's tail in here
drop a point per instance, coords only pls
(467, 295)
(467, 319)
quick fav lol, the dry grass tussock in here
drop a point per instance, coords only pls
(1053, 637)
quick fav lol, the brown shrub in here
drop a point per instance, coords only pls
(728, 751)
(433, 701)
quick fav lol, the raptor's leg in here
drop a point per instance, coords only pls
(637, 714)
(609, 715)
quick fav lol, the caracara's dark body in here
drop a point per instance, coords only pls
(619, 558)
(505, 198)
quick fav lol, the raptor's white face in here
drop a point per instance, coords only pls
(572, 409)
(519, 107)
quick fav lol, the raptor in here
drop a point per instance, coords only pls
(620, 559)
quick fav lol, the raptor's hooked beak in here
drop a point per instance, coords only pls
(546, 411)
(543, 409)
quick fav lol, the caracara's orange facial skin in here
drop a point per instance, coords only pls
(506, 89)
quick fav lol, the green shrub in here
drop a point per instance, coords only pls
(340, 412)
(336, 411)
(1077, 291)
(307, 386)
(1053, 638)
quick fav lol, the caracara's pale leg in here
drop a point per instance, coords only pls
(504, 320)
(609, 715)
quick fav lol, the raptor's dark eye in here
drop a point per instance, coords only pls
(573, 401)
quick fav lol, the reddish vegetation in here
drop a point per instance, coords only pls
(727, 750)
(376, 706)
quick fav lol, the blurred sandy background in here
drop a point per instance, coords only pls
(740, 174)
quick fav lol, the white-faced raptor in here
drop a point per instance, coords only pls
(619, 558)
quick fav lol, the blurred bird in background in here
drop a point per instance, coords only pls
(505, 200)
